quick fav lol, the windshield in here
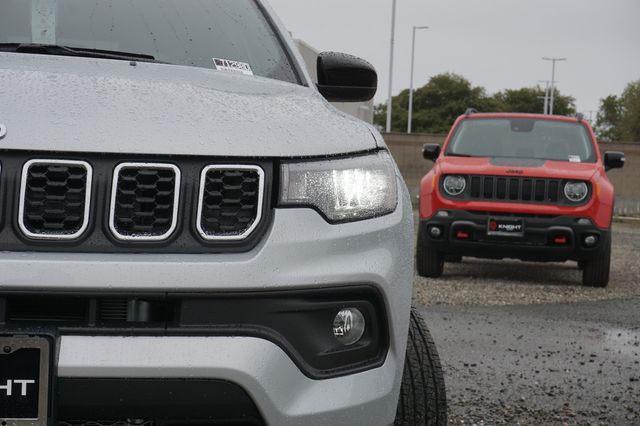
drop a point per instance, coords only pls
(182, 32)
(522, 138)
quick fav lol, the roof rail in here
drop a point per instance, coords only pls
(470, 111)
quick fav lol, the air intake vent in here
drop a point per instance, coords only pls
(54, 199)
(230, 201)
(35, 309)
(113, 309)
(144, 201)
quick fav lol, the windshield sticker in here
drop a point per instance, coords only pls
(574, 159)
(232, 66)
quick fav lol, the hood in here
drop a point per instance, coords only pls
(57, 103)
(517, 167)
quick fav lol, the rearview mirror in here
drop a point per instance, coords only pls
(346, 78)
(613, 160)
(431, 151)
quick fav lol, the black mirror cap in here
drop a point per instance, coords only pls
(346, 78)
(431, 151)
(613, 160)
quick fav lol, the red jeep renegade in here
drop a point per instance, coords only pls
(522, 186)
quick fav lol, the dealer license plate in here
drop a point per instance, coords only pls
(509, 227)
(25, 376)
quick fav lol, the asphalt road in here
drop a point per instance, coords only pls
(541, 364)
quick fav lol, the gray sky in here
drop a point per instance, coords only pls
(495, 43)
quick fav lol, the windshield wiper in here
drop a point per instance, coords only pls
(53, 49)
(455, 154)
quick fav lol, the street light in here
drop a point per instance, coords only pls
(413, 58)
(553, 79)
(546, 95)
(393, 33)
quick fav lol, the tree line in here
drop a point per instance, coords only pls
(618, 117)
(438, 103)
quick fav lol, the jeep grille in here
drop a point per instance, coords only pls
(110, 203)
(496, 188)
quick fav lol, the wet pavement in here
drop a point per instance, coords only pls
(541, 364)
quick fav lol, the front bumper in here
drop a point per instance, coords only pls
(537, 244)
(281, 392)
(300, 251)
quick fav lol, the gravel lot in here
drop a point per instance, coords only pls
(510, 282)
(525, 344)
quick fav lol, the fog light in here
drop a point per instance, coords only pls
(435, 231)
(590, 240)
(348, 326)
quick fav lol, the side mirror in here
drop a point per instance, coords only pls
(346, 78)
(431, 151)
(613, 160)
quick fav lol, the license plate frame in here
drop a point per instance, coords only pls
(19, 343)
(505, 227)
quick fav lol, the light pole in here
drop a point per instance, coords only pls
(591, 112)
(393, 34)
(413, 59)
(553, 80)
(546, 95)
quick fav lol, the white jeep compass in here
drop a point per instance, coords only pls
(190, 233)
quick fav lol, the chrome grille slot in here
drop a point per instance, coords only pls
(144, 201)
(230, 201)
(55, 198)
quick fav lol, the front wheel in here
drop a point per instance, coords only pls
(595, 272)
(423, 399)
(429, 262)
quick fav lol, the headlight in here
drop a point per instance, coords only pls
(343, 190)
(454, 185)
(576, 191)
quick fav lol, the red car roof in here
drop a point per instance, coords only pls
(520, 115)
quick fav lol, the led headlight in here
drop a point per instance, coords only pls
(454, 185)
(344, 189)
(576, 191)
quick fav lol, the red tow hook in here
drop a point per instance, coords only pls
(560, 240)
(462, 235)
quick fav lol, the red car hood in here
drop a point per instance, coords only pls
(516, 167)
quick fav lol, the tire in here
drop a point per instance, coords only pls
(581, 265)
(596, 271)
(423, 399)
(430, 263)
